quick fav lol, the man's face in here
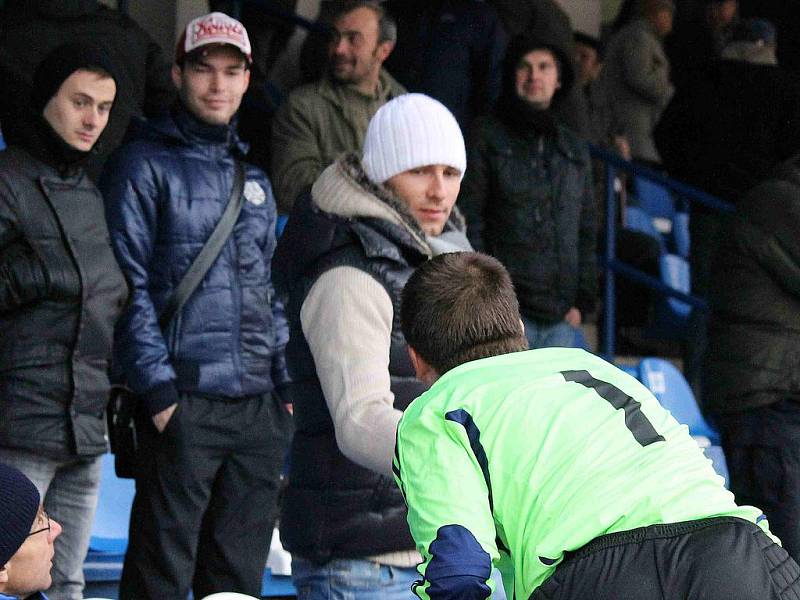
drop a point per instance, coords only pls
(79, 111)
(537, 78)
(29, 569)
(588, 63)
(721, 14)
(429, 193)
(211, 85)
(662, 21)
(354, 53)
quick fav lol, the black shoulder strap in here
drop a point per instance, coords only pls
(209, 253)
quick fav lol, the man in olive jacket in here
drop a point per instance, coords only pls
(60, 294)
(322, 120)
(527, 194)
(752, 370)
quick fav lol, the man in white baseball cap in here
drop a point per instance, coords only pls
(212, 434)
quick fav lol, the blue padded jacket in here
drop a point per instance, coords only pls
(165, 191)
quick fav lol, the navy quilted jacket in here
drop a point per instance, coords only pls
(165, 191)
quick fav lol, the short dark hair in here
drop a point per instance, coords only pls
(460, 307)
(387, 28)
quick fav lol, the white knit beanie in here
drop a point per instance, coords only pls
(411, 131)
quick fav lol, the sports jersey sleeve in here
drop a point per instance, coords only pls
(449, 505)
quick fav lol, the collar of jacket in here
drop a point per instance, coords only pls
(344, 189)
(194, 131)
(338, 93)
(44, 144)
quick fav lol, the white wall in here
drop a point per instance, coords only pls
(586, 15)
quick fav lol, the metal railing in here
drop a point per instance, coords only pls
(612, 265)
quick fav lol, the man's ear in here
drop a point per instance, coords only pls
(3, 576)
(383, 50)
(177, 78)
(425, 373)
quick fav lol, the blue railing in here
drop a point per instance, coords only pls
(612, 265)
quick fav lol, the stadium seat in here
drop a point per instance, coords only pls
(654, 198)
(110, 530)
(637, 219)
(668, 385)
(671, 316)
(681, 238)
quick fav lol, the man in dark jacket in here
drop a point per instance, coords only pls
(60, 293)
(752, 376)
(724, 134)
(30, 29)
(347, 251)
(213, 432)
(527, 195)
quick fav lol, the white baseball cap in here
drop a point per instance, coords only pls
(213, 28)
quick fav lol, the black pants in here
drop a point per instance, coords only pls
(205, 499)
(723, 558)
(762, 449)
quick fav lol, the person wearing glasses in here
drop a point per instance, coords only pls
(26, 538)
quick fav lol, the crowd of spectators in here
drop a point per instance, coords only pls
(368, 160)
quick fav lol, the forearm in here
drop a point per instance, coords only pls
(347, 320)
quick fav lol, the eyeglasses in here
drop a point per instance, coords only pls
(44, 517)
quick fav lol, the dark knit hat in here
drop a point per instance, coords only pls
(62, 62)
(19, 504)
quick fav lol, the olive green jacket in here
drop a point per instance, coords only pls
(318, 122)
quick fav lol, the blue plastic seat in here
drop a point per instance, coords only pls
(110, 530)
(637, 219)
(669, 386)
(680, 234)
(671, 316)
(655, 199)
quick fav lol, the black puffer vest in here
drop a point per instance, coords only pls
(334, 508)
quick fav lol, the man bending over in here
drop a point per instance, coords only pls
(556, 467)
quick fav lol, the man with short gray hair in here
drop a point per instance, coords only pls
(326, 118)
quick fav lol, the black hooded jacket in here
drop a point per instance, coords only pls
(527, 195)
(754, 334)
(60, 293)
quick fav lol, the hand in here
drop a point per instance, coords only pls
(621, 145)
(161, 419)
(573, 317)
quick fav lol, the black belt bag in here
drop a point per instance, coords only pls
(123, 402)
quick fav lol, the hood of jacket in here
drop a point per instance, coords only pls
(551, 36)
(343, 196)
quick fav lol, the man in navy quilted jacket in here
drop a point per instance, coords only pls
(212, 431)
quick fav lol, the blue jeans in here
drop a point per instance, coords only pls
(549, 335)
(69, 489)
(352, 579)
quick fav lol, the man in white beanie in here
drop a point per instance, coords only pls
(344, 258)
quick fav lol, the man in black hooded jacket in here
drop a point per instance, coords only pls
(527, 195)
(60, 294)
(30, 29)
